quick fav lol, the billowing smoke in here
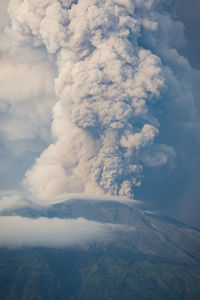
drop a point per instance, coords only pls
(118, 73)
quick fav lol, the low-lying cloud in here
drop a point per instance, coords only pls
(12, 200)
(18, 231)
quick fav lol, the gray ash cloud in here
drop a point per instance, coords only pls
(118, 74)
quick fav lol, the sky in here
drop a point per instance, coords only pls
(101, 98)
(180, 189)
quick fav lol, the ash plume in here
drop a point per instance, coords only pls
(117, 68)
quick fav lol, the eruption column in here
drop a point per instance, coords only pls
(103, 127)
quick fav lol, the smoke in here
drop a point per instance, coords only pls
(120, 81)
(18, 232)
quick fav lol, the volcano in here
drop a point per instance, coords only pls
(153, 257)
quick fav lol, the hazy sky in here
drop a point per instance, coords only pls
(181, 188)
(188, 13)
(53, 86)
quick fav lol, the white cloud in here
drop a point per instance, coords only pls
(28, 80)
(12, 200)
(26, 89)
(18, 232)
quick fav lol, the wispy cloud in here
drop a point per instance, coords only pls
(17, 231)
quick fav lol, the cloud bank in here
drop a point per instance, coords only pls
(44, 232)
(12, 200)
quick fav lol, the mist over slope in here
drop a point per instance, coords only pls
(125, 252)
(133, 220)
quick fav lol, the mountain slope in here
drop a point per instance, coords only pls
(154, 257)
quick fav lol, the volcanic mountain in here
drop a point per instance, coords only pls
(149, 257)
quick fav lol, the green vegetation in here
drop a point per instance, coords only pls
(158, 259)
(109, 272)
